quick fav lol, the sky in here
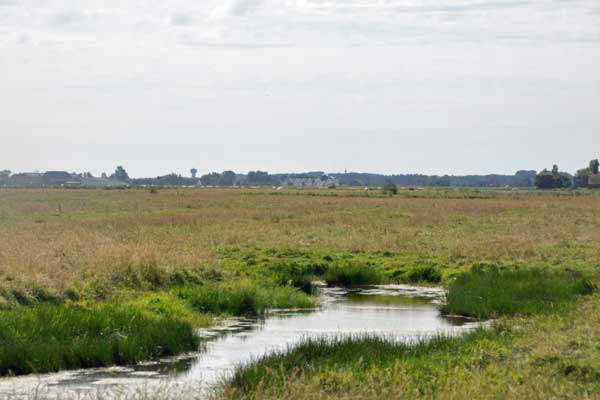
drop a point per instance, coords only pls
(386, 86)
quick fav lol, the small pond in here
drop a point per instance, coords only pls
(400, 312)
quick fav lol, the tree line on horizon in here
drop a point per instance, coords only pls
(555, 179)
(545, 179)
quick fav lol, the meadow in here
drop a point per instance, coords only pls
(180, 257)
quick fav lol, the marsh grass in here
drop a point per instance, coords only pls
(353, 355)
(243, 298)
(55, 337)
(492, 292)
(352, 274)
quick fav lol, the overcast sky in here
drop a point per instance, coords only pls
(391, 86)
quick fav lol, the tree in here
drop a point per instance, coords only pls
(390, 188)
(228, 178)
(544, 180)
(553, 180)
(212, 179)
(581, 179)
(120, 174)
(259, 178)
(5, 174)
(594, 164)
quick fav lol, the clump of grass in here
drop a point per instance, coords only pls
(49, 338)
(243, 298)
(352, 273)
(298, 274)
(422, 273)
(491, 292)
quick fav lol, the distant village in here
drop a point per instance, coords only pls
(120, 179)
(545, 179)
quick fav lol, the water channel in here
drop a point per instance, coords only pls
(399, 312)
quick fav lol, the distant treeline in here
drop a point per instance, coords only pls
(262, 178)
(519, 179)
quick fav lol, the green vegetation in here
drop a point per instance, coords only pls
(243, 299)
(179, 257)
(483, 363)
(553, 179)
(131, 327)
(353, 357)
(352, 274)
(492, 292)
(52, 337)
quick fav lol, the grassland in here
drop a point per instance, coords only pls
(246, 250)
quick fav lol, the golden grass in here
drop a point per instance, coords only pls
(59, 238)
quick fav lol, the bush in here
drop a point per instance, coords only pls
(493, 292)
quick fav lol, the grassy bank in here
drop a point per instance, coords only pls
(51, 337)
(541, 357)
(493, 292)
(367, 367)
(132, 327)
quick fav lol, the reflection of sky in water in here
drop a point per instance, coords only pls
(385, 310)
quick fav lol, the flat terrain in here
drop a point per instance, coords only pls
(177, 257)
(57, 239)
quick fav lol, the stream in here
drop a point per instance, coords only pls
(400, 312)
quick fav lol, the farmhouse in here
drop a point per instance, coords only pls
(594, 181)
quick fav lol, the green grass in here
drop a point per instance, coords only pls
(352, 274)
(132, 327)
(355, 356)
(491, 292)
(55, 337)
(244, 298)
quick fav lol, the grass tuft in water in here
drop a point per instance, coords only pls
(491, 292)
(352, 274)
(243, 298)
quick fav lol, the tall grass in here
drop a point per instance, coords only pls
(55, 337)
(244, 298)
(351, 273)
(491, 292)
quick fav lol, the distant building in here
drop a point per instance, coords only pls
(25, 179)
(90, 182)
(594, 181)
(56, 178)
(323, 181)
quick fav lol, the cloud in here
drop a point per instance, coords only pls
(235, 8)
(65, 18)
(181, 19)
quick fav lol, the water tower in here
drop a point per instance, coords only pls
(194, 171)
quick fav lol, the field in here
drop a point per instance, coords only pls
(102, 255)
